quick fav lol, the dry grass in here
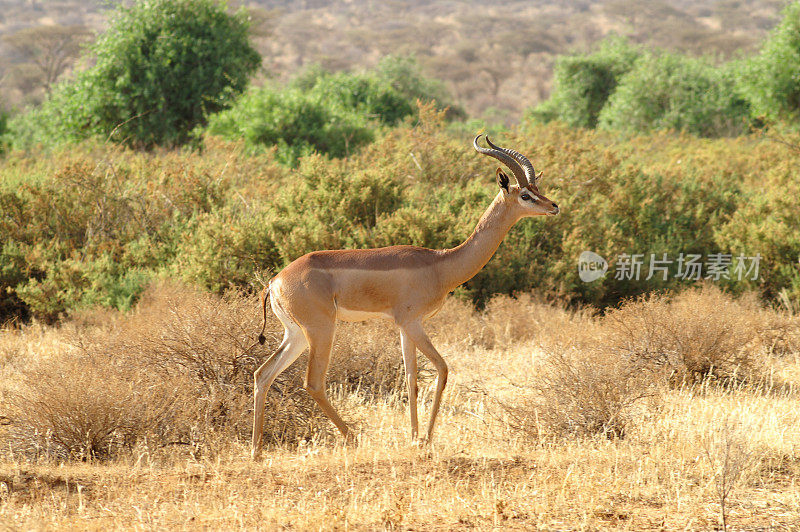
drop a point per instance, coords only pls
(177, 371)
(701, 332)
(684, 454)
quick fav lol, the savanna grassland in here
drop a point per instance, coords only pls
(147, 195)
(649, 415)
(573, 421)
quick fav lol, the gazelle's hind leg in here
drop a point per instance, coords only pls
(320, 340)
(293, 344)
(417, 335)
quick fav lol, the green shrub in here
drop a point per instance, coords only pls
(767, 224)
(297, 123)
(583, 83)
(3, 131)
(330, 206)
(325, 112)
(161, 68)
(771, 80)
(13, 271)
(227, 247)
(75, 283)
(78, 230)
(365, 95)
(671, 91)
(87, 232)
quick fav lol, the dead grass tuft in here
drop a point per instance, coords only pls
(86, 407)
(592, 374)
(579, 387)
(504, 322)
(587, 393)
(700, 332)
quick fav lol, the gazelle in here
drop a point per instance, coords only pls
(404, 284)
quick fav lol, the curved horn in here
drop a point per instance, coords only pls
(505, 158)
(527, 166)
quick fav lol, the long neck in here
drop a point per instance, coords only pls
(461, 263)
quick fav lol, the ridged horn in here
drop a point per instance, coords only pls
(506, 157)
(527, 166)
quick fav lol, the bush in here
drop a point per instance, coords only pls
(670, 91)
(96, 233)
(161, 68)
(586, 393)
(583, 83)
(297, 123)
(767, 225)
(79, 230)
(333, 114)
(3, 131)
(696, 334)
(88, 407)
(594, 375)
(771, 80)
(578, 386)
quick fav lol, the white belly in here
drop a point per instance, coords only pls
(359, 315)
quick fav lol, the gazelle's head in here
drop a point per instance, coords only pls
(524, 196)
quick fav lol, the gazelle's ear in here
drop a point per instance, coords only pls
(502, 180)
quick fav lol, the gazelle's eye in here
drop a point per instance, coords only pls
(525, 197)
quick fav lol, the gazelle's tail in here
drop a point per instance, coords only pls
(264, 297)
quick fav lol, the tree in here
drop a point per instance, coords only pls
(771, 80)
(584, 83)
(330, 113)
(161, 68)
(673, 91)
(50, 49)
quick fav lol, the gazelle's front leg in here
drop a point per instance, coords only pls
(417, 335)
(410, 363)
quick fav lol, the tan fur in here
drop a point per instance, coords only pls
(405, 284)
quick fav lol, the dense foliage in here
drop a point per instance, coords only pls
(160, 68)
(80, 230)
(624, 88)
(771, 80)
(672, 91)
(3, 128)
(370, 164)
(583, 83)
(330, 113)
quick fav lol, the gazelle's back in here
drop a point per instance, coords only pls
(388, 258)
(361, 284)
